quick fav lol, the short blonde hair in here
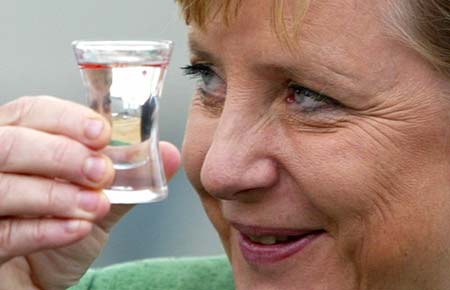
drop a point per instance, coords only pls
(423, 24)
(198, 11)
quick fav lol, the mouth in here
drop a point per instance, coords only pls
(260, 245)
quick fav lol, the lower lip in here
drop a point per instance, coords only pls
(256, 253)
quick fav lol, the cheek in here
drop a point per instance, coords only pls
(387, 200)
(198, 137)
(197, 140)
(358, 173)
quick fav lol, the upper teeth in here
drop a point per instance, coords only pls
(268, 240)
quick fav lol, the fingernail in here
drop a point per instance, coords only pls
(93, 128)
(89, 201)
(94, 168)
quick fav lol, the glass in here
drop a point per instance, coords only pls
(123, 81)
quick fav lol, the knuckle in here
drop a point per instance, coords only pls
(55, 198)
(39, 233)
(20, 109)
(51, 195)
(8, 138)
(61, 118)
(61, 147)
(5, 188)
(6, 234)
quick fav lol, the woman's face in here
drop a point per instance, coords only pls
(324, 165)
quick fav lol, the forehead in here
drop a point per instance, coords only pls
(328, 25)
(347, 36)
(332, 19)
(252, 14)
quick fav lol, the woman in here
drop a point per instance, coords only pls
(318, 142)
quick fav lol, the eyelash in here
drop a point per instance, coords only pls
(318, 97)
(202, 71)
(211, 87)
(196, 70)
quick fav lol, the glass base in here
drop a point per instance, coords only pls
(135, 196)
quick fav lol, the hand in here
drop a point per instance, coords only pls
(54, 220)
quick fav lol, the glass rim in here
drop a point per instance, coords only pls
(107, 45)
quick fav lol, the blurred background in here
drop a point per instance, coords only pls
(37, 59)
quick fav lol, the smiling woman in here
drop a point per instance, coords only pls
(323, 161)
(318, 143)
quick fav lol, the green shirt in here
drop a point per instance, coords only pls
(208, 273)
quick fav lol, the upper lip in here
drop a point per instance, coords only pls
(255, 230)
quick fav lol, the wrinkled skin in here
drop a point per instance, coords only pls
(45, 183)
(373, 172)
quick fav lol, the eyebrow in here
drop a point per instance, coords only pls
(335, 75)
(198, 51)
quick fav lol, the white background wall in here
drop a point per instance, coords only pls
(36, 58)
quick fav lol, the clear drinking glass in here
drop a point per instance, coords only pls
(123, 81)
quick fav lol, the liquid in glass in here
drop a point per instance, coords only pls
(126, 91)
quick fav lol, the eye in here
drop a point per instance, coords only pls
(308, 99)
(209, 83)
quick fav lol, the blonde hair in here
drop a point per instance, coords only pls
(423, 24)
(198, 12)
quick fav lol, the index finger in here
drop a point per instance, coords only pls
(57, 116)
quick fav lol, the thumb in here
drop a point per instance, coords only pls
(171, 158)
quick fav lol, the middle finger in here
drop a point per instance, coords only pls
(27, 151)
(32, 196)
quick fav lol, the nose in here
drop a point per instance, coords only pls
(239, 159)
